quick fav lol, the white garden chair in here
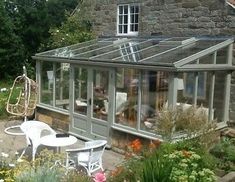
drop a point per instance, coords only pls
(33, 131)
(89, 157)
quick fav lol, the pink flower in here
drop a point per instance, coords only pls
(99, 177)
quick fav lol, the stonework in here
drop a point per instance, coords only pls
(56, 120)
(166, 17)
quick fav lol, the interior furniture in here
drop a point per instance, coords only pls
(121, 98)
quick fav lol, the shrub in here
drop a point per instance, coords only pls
(224, 151)
(168, 162)
(187, 123)
(40, 170)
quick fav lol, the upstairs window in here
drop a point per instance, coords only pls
(128, 20)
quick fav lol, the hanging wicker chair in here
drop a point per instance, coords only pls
(22, 100)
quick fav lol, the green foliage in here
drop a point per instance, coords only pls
(25, 25)
(40, 174)
(169, 163)
(157, 167)
(72, 31)
(40, 170)
(225, 151)
(4, 97)
(11, 49)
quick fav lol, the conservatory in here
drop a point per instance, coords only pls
(110, 87)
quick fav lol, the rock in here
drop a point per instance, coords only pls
(230, 177)
(220, 173)
(228, 133)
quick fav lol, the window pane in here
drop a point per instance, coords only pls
(120, 9)
(132, 19)
(136, 18)
(132, 9)
(154, 97)
(125, 9)
(136, 27)
(132, 28)
(120, 20)
(219, 95)
(127, 97)
(80, 90)
(100, 94)
(136, 9)
(125, 29)
(125, 19)
(120, 29)
(47, 83)
(62, 85)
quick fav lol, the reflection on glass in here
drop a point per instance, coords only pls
(80, 90)
(185, 97)
(62, 85)
(219, 96)
(47, 77)
(221, 57)
(190, 82)
(127, 97)
(100, 94)
(154, 97)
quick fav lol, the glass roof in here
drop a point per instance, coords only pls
(154, 51)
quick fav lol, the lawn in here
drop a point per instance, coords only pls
(4, 97)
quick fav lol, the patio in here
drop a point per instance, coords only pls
(10, 144)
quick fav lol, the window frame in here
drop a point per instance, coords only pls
(129, 23)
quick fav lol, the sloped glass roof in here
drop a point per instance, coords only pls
(152, 51)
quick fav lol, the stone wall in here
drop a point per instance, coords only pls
(166, 17)
(56, 120)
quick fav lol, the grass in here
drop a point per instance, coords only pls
(3, 98)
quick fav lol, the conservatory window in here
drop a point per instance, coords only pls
(190, 79)
(47, 84)
(80, 90)
(62, 85)
(55, 84)
(131, 85)
(127, 91)
(128, 20)
(154, 92)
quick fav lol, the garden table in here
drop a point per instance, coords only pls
(54, 141)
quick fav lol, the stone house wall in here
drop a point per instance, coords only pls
(166, 17)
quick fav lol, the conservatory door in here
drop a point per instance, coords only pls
(90, 117)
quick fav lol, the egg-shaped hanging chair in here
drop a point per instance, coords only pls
(22, 100)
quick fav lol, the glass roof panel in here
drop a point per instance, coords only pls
(139, 54)
(174, 52)
(182, 52)
(112, 48)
